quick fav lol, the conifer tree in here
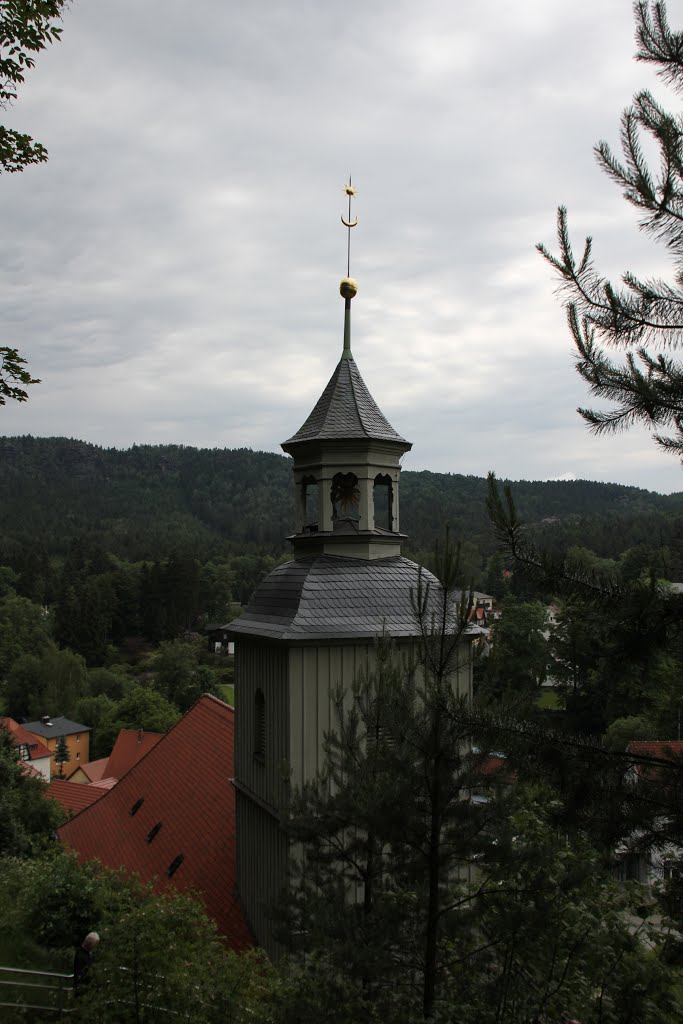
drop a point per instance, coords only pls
(61, 755)
(641, 318)
(388, 830)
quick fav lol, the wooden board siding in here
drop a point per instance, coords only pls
(262, 667)
(261, 868)
(314, 673)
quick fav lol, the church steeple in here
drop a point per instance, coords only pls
(347, 460)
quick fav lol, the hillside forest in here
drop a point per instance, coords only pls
(112, 564)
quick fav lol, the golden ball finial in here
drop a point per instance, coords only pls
(348, 288)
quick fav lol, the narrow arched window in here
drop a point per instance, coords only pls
(383, 499)
(259, 726)
(309, 501)
(345, 496)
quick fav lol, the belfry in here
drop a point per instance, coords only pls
(311, 624)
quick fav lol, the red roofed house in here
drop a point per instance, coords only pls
(171, 818)
(29, 749)
(130, 746)
(91, 771)
(72, 796)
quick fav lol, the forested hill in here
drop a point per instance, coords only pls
(143, 501)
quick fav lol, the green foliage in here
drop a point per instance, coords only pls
(633, 727)
(12, 366)
(156, 951)
(516, 665)
(639, 317)
(98, 712)
(179, 676)
(385, 829)
(27, 819)
(26, 28)
(60, 900)
(164, 952)
(141, 708)
(24, 629)
(141, 505)
(51, 683)
(565, 940)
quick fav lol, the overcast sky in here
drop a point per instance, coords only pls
(172, 273)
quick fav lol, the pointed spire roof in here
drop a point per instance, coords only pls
(346, 411)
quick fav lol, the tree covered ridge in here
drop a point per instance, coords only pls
(144, 500)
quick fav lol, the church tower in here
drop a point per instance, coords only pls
(311, 624)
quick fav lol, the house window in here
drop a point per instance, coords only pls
(78, 755)
(259, 726)
(78, 737)
(345, 496)
(136, 807)
(383, 496)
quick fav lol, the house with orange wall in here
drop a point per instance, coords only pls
(49, 731)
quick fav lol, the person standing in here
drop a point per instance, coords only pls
(83, 959)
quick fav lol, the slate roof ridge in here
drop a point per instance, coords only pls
(332, 597)
(345, 410)
(53, 729)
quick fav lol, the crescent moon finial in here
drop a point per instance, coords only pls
(350, 191)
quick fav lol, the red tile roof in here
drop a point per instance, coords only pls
(663, 750)
(73, 796)
(182, 784)
(93, 769)
(496, 767)
(103, 783)
(130, 746)
(20, 735)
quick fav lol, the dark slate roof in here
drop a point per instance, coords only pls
(329, 597)
(346, 410)
(57, 726)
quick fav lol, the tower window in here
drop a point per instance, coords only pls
(383, 498)
(136, 807)
(259, 726)
(310, 502)
(345, 496)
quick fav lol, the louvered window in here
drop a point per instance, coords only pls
(259, 726)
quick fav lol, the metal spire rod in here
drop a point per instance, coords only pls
(351, 192)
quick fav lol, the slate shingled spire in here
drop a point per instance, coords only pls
(346, 410)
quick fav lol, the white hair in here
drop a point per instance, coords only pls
(90, 941)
